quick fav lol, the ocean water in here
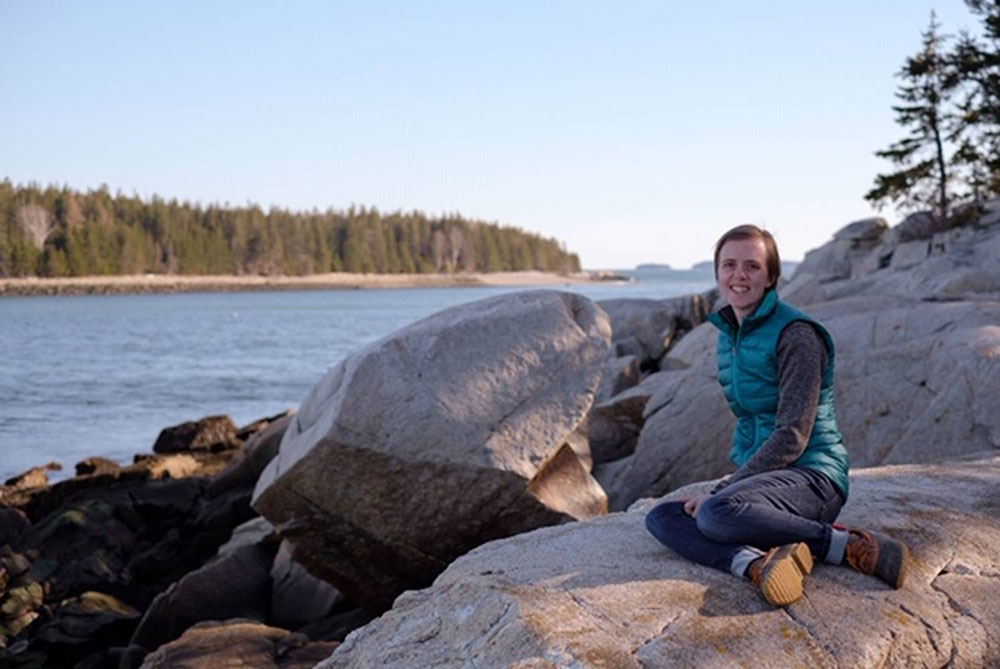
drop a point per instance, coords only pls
(102, 375)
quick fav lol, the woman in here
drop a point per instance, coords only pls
(774, 515)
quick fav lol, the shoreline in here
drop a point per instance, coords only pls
(177, 283)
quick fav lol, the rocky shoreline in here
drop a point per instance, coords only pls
(469, 490)
(174, 283)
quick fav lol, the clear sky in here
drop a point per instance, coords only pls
(632, 131)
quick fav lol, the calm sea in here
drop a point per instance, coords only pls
(102, 375)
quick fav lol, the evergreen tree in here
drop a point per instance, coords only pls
(58, 232)
(923, 175)
(977, 65)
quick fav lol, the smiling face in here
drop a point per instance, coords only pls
(742, 274)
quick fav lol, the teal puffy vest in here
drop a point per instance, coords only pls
(748, 372)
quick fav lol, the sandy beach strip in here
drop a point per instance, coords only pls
(164, 283)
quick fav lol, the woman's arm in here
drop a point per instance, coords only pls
(802, 357)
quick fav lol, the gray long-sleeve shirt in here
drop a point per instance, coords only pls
(802, 358)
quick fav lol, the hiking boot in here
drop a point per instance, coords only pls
(878, 555)
(780, 572)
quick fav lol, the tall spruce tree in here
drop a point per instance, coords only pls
(923, 175)
(976, 62)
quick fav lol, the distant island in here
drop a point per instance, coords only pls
(787, 266)
(653, 267)
(57, 232)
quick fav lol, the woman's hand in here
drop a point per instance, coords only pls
(692, 505)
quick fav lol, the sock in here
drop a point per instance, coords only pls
(838, 544)
(742, 559)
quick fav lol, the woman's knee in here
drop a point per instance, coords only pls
(714, 518)
(662, 518)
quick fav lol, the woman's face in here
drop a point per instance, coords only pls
(743, 277)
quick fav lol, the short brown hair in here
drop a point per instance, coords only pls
(753, 232)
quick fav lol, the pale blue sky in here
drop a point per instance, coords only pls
(632, 131)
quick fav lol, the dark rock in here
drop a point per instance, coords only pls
(920, 225)
(336, 626)
(85, 626)
(36, 477)
(40, 502)
(615, 424)
(21, 600)
(212, 433)
(864, 233)
(298, 597)
(96, 465)
(14, 565)
(250, 429)
(84, 547)
(249, 462)
(123, 537)
(618, 374)
(252, 531)
(217, 519)
(13, 525)
(11, 627)
(131, 540)
(131, 657)
(237, 584)
(242, 643)
(186, 545)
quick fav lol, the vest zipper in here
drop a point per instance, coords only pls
(736, 387)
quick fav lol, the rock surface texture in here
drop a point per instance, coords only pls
(648, 328)
(461, 428)
(911, 260)
(605, 593)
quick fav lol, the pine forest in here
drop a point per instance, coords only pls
(58, 232)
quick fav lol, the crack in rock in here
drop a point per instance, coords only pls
(492, 630)
(828, 654)
(658, 635)
(931, 632)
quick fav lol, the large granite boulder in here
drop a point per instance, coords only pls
(686, 428)
(458, 429)
(619, 374)
(837, 259)
(915, 381)
(615, 423)
(920, 225)
(605, 593)
(647, 328)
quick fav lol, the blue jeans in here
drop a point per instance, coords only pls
(763, 511)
